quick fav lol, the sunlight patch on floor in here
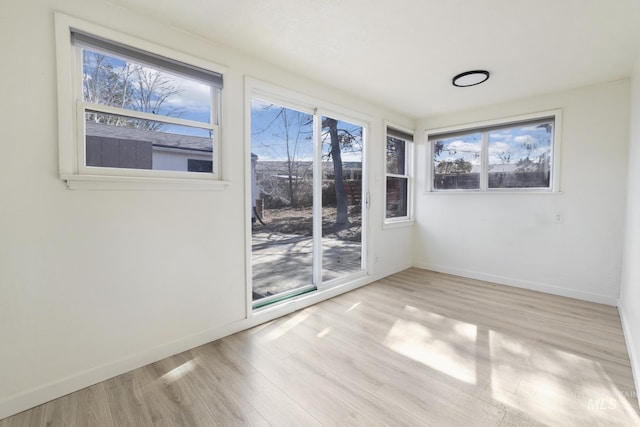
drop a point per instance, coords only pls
(505, 346)
(354, 306)
(419, 343)
(176, 373)
(290, 324)
(554, 384)
(324, 332)
(259, 328)
(513, 356)
(461, 329)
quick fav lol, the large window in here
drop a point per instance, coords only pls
(517, 154)
(137, 112)
(398, 174)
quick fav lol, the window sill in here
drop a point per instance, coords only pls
(495, 192)
(390, 224)
(105, 182)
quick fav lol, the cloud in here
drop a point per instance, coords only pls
(506, 136)
(529, 140)
(194, 100)
(193, 96)
(499, 147)
(536, 128)
(463, 146)
(471, 159)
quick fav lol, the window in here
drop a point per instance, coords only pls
(397, 174)
(139, 112)
(195, 165)
(515, 155)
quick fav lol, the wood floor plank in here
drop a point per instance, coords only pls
(250, 386)
(511, 420)
(32, 417)
(124, 405)
(417, 348)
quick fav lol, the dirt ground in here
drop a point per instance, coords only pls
(282, 255)
(300, 221)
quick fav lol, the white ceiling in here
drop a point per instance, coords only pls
(403, 53)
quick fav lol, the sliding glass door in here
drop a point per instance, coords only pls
(307, 201)
(342, 198)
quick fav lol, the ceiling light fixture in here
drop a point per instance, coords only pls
(470, 78)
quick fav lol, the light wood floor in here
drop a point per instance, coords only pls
(417, 348)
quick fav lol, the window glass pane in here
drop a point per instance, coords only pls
(520, 157)
(396, 197)
(282, 201)
(123, 142)
(342, 163)
(118, 82)
(195, 165)
(456, 162)
(395, 156)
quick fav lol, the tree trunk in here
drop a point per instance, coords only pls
(336, 155)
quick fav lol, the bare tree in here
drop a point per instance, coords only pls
(338, 140)
(151, 90)
(130, 86)
(395, 154)
(292, 127)
(104, 84)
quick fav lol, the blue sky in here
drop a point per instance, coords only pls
(270, 125)
(506, 146)
(269, 134)
(513, 144)
(193, 100)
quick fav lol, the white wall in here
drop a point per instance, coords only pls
(629, 304)
(511, 238)
(94, 283)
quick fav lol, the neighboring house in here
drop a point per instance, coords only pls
(123, 147)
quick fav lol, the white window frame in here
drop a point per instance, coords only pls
(554, 185)
(71, 123)
(408, 174)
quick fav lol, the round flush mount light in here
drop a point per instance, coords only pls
(470, 78)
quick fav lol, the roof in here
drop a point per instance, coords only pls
(158, 139)
(279, 167)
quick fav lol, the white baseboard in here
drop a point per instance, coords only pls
(53, 390)
(524, 284)
(632, 348)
